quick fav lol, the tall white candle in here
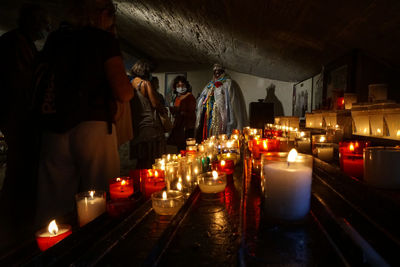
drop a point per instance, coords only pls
(288, 188)
(90, 205)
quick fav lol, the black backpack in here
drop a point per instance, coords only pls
(59, 100)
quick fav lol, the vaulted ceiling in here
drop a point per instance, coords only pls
(287, 40)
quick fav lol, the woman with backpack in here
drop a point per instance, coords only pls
(79, 142)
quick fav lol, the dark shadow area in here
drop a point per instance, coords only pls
(272, 98)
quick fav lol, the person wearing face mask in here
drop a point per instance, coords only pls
(184, 112)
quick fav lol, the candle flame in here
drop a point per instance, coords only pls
(188, 178)
(265, 144)
(378, 130)
(168, 157)
(222, 163)
(302, 134)
(123, 182)
(228, 155)
(215, 174)
(292, 155)
(196, 170)
(179, 186)
(322, 139)
(156, 174)
(351, 147)
(118, 179)
(229, 144)
(398, 133)
(164, 195)
(336, 126)
(53, 228)
(91, 193)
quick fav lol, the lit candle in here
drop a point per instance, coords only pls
(381, 167)
(153, 182)
(48, 237)
(288, 188)
(190, 142)
(121, 187)
(167, 202)
(226, 166)
(90, 205)
(351, 157)
(212, 182)
(230, 156)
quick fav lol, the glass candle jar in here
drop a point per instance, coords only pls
(324, 151)
(90, 205)
(351, 157)
(190, 141)
(121, 187)
(287, 185)
(212, 182)
(167, 202)
(381, 167)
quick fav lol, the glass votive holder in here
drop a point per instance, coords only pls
(121, 187)
(212, 182)
(172, 174)
(167, 202)
(351, 157)
(264, 145)
(226, 166)
(303, 145)
(153, 181)
(318, 138)
(90, 205)
(191, 148)
(324, 151)
(190, 141)
(229, 156)
(285, 144)
(287, 185)
(222, 137)
(381, 167)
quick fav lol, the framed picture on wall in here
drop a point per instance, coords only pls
(169, 79)
(302, 98)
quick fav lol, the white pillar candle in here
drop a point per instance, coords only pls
(381, 167)
(90, 205)
(288, 188)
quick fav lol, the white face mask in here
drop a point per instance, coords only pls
(181, 90)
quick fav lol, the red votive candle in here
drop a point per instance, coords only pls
(227, 166)
(264, 145)
(48, 237)
(152, 181)
(340, 103)
(351, 157)
(121, 187)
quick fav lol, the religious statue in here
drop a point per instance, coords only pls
(220, 106)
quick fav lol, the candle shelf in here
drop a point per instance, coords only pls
(350, 223)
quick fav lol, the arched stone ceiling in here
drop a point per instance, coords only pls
(287, 40)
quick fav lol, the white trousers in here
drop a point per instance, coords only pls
(82, 159)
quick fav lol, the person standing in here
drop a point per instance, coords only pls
(79, 141)
(18, 54)
(149, 141)
(184, 112)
